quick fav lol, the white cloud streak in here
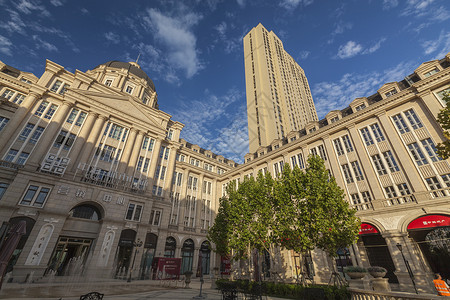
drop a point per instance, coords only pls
(352, 48)
(32, 6)
(337, 95)
(5, 45)
(41, 44)
(177, 36)
(293, 4)
(438, 47)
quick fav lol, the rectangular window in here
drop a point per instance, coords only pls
(403, 189)
(7, 94)
(390, 192)
(81, 119)
(366, 196)
(50, 112)
(56, 86)
(390, 160)
(145, 142)
(129, 89)
(35, 196)
(366, 136)
(431, 149)
(155, 217)
(377, 132)
(140, 162)
(417, 154)
(357, 171)
(446, 179)
(11, 155)
(413, 119)
(355, 199)
(108, 82)
(72, 116)
(3, 122)
(134, 212)
(107, 153)
(338, 147)
(116, 132)
(64, 89)
(400, 123)
(40, 110)
(26, 132)
(3, 187)
(69, 141)
(360, 107)
(60, 139)
(163, 173)
(347, 174)
(379, 164)
(314, 151)
(322, 153)
(180, 176)
(293, 161)
(22, 158)
(146, 163)
(347, 143)
(19, 99)
(434, 184)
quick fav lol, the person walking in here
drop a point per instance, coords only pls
(441, 286)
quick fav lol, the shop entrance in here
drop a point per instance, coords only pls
(432, 234)
(148, 255)
(69, 256)
(124, 251)
(377, 250)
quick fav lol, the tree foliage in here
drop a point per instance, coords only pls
(299, 211)
(444, 120)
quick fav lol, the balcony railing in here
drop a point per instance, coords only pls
(10, 165)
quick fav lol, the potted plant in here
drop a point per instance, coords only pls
(355, 272)
(187, 278)
(377, 272)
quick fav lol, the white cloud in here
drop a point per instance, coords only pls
(375, 47)
(57, 3)
(241, 3)
(293, 4)
(216, 123)
(15, 24)
(337, 95)
(84, 11)
(340, 28)
(349, 50)
(41, 44)
(231, 43)
(176, 34)
(389, 4)
(440, 46)
(32, 6)
(303, 55)
(112, 37)
(5, 46)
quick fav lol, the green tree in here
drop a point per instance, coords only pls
(444, 120)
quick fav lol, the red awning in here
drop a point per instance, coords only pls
(429, 221)
(367, 229)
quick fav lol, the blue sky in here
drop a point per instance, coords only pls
(193, 49)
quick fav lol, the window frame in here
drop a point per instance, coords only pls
(37, 192)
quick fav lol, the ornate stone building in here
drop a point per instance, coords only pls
(92, 166)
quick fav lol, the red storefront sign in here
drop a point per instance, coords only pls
(225, 265)
(367, 229)
(429, 221)
(166, 268)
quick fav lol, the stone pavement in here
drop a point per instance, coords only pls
(113, 290)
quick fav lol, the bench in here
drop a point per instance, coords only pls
(92, 296)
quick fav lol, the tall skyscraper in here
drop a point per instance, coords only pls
(278, 96)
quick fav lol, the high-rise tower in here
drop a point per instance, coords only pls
(278, 96)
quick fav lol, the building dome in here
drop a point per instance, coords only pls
(132, 68)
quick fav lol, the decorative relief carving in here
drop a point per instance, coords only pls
(390, 223)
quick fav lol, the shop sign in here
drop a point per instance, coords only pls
(429, 221)
(367, 229)
(166, 268)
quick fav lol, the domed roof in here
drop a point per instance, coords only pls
(132, 68)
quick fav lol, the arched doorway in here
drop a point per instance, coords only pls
(148, 255)
(377, 250)
(124, 251)
(169, 249)
(76, 238)
(204, 257)
(432, 234)
(29, 226)
(187, 255)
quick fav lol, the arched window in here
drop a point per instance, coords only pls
(169, 250)
(85, 211)
(187, 256)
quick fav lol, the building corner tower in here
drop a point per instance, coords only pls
(278, 96)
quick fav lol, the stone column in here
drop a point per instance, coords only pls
(135, 152)
(127, 151)
(91, 140)
(49, 134)
(399, 149)
(154, 161)
(422, 281)
(81, 140)
(195, 261)
(13, 127)
(170, 169)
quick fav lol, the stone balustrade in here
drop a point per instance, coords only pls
(358, 294)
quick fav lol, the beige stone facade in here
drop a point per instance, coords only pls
(278, 96)
(92, 165)
(381, 150)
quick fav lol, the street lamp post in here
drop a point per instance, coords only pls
(411, 275)
(136, 245)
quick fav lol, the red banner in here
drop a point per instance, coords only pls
(367, 229)
(429, 221)
(166, 268)
(225, 265)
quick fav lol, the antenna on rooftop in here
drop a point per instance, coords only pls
(138, 57)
